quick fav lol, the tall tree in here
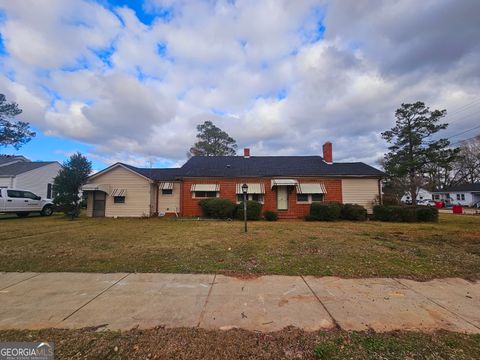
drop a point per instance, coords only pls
(13, 133)
(68, 182)
(468, 164)
(412, 148)
(212, 141)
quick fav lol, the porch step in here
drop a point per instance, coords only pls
(287, 216)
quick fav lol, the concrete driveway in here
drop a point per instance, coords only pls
(268, 303)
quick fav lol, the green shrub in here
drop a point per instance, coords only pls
(270, 215)
(217, 208)
(325, 211)
(353, 212)
(254, 210)
(427, 214)
(404, 213)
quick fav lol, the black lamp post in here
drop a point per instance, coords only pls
(245, 191)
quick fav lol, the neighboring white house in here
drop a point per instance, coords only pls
(35, 176)
(466, 195)
(422, 194)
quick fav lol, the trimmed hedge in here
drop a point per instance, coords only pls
(217, 208)
(270, 215)
(353, 212)
(325, 211)
(254, 210)
(427, 214)
(405, 213)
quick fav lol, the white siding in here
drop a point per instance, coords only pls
(138, 199)
(170, 203)
(38, 179)
(360, 191)
(6, 182)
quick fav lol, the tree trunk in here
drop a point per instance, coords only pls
(413, 188)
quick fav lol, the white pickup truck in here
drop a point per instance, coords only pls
(23, 202)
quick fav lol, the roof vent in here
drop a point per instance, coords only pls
(228, 166)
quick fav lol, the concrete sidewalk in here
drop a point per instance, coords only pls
(267, 303)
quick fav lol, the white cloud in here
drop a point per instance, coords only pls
(260, 70)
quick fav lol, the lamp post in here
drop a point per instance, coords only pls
(245, 191)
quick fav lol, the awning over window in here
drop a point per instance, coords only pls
(311, 189)
(252, 188)
(96, 187)
(205, 187)
(165, 186)
(119, 192)
(284, 182)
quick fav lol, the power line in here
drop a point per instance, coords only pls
(460, 141)
(463, 132)
(464, 107)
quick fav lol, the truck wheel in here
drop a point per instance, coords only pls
(47, 210)
(22, 214)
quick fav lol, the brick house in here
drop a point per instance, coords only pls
(285, 184)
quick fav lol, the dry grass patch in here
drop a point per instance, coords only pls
(448, 248)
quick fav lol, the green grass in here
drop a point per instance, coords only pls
(290, 343)
(422, 251)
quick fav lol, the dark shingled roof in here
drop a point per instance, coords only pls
(156, 174)
(22, 167)
(462, 188)
(9, 158)
(266, 166)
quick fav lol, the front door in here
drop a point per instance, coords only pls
(282, 198)
(99, 198)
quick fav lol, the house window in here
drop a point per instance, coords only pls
(204, 194)
(167, 191)
(250, 197)
(458, 196)
(49, 191)
(462, 196)
(302, 197)
(436, 197)
(119, 199)
(309, 198)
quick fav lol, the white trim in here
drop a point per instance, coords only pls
(205, 187)
(115, 166)
(284, 182)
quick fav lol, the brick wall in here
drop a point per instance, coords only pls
(189, 206)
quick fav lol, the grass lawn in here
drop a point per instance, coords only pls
(290, 343)
(448, 248)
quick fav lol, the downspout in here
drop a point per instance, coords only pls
(380, 199)
(157, 198)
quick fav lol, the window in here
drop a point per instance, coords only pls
(309, 198)
(29, 195)
(436, 197)
(14, 193)
(463, 196)
(204, 194)
(302, 197)
(250, 197)
(49, 191)
(458, 196)
(119, 199)
(167, 191)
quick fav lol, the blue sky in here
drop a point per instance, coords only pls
(129, 80)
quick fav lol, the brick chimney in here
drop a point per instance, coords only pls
(327, 152)
(246, 153)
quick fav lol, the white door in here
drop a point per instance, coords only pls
(31, 201)
(14, 200)
(282, 198)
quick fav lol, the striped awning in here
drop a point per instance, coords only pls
(318, 188)
(96, 187)
(119, 192)
(205, 187)
(284, 182)
(252, 188)
(165, 186)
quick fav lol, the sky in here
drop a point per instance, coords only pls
(130, 80)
